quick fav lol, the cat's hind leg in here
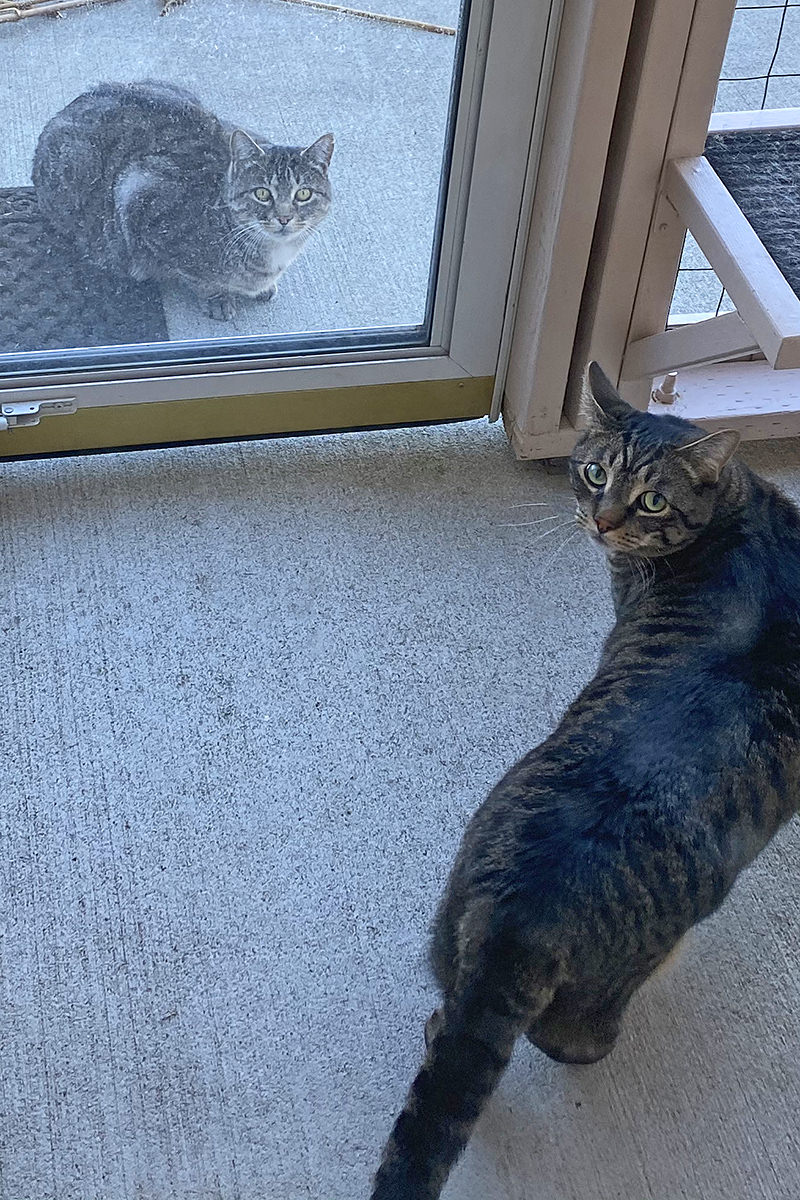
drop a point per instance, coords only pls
(569, 1034)
(138, 205)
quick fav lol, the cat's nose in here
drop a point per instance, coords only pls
(605, 525)
(284, 220)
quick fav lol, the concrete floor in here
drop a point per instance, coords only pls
(250, 695)
(293, 73)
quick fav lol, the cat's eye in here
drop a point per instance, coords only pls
(262, 194)
(594, 474)
(303, 194)
(653, 502)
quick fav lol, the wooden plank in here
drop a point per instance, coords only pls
(642, 125)
(678, 319)
(743, 122)
(702, 65)
(707, 341)
(533, 446)
(763, 298)
(749, 396)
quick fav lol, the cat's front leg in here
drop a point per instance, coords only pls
(222, 306)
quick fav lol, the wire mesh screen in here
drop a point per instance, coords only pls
(761, 70)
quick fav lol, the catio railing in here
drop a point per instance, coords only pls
(761, 71)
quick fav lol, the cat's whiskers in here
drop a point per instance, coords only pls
(235, 240)
(640, 572)
(253, 240)
(535, 504)
(251, 246)
(239, 231)
(243, 241)
(549, 562)
(553, 529)
(525, 524)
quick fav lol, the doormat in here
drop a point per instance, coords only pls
(50, 300)
(761, 170)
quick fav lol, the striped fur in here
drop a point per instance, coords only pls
(668, 774)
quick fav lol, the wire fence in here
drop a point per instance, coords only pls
(761, 71)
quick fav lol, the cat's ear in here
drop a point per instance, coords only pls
(605, 406)
(244, 148)
(706, 457)
(320, 152)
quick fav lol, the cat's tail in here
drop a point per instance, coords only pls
(466, 1057)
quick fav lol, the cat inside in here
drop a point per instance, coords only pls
(673, 768)
(145, 182)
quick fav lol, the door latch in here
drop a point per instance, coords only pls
(16, 414)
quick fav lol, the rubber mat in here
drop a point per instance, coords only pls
(761, 170)
(51, 301)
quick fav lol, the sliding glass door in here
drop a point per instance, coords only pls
(254, 217)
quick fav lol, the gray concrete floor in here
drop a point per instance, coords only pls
(293, 73)
(251, 694)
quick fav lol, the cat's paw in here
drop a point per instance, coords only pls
(222, 307)
(271, 291)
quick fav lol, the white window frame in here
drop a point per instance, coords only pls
(509, 54)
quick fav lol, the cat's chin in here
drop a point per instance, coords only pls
(642, 553)
(614, 550)
(282, 235)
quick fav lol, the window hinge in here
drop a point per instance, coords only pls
(15, 414)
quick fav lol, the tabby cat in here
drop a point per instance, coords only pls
(143, 180)
(629, 824)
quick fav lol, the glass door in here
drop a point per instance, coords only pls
(286, 214)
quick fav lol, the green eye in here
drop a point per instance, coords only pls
(262, 194)
(303, 194)
(595, 474)
(653, 502)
